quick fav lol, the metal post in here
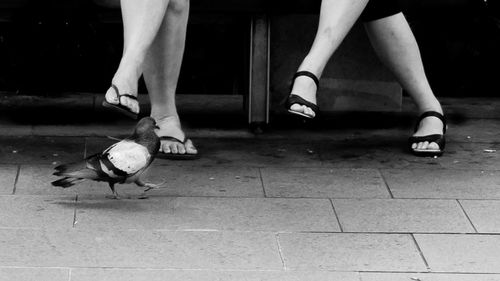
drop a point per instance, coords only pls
(258, 100)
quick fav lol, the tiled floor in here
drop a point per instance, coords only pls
(341, 205)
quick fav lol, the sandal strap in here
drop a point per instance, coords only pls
(129, 96)
(432, 114)
(307, 74)
(429, 138)
(174, 139)
(115, 88)
(294, 99)
(118, 95)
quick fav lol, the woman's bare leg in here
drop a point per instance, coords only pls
(396, 46)
(336, 19)
(141, 22)
(161, 72)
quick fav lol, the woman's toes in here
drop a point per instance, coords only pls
(190, 148)
(124, 101)
(166, 148)
(133, 105)
(433, 146)
(420, 145)
(111, 96)
(181, 149)
(173, 148)
(425, 145)
(297, 108)
(309, 112)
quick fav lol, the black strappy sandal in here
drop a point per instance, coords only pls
(120, 107)
(436, 138)
(294, 99)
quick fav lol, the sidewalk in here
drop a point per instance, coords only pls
(342, 203)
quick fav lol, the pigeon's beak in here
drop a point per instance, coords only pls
(157, 127)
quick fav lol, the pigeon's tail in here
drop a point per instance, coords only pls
(73, 174)
(67, 169)
(66, 182)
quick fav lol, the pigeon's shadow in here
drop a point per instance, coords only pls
(128, 205)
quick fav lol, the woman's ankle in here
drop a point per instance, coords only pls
(126, 82)
(431, 107)
(164, 118)
(429, 104)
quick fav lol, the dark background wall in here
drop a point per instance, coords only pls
(460, 44)
(51, 47)
(58, 46)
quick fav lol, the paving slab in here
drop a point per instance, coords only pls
(484, 214)
(259, 153)
(139, 249)
(400, 215)
(461, 253)
(203, 275)
(427, 277)
(472, 155)
(8, 175)
(224, 214)
(206, 181)
(40, 150)
(473, 130)
(324, 183)
(350, 252)
(36, 212)
(443, 183)
(34, 274)
(382, 151)
(388, 152)
(179, 181)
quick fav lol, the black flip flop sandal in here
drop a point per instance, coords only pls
(294, 99)
(440, 140)
(176, 156)
(120, 107)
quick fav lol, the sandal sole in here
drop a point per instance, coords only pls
(177, 157)
(301, 114)
(121, 110)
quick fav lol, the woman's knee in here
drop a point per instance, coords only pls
(178, 6)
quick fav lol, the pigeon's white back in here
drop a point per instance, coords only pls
(129, 156)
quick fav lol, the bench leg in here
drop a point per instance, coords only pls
(258, 98)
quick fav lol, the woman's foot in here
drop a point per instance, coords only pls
(305, 86)
(174, 140)
(430, 125)
(123, 93)
(429, 138)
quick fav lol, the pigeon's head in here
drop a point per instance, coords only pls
(145, 125)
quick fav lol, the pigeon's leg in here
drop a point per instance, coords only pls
(149, 186)
(115, 194)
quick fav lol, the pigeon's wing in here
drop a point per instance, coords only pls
(125, 159)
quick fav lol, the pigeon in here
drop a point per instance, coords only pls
(122, 162)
